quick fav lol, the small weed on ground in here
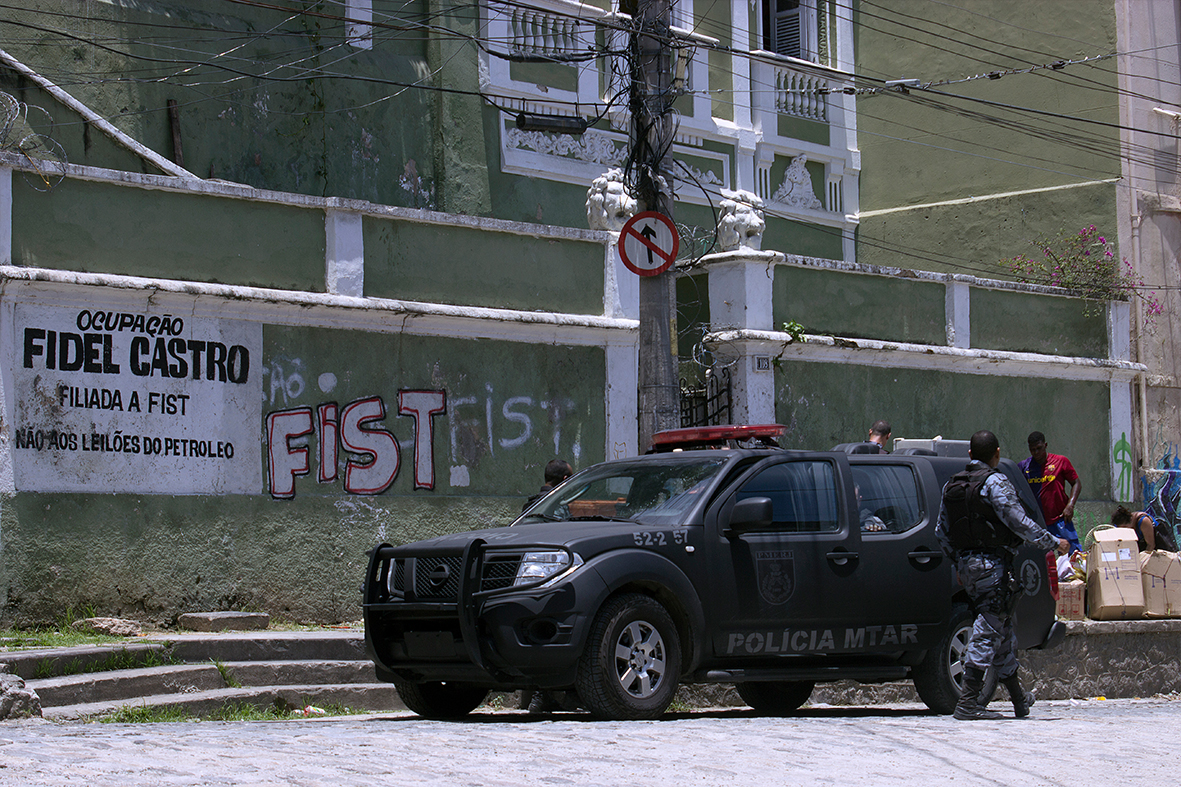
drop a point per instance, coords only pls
(26, 639)
(119, 659)
(143, 714)
(241, 711)
(227, 675)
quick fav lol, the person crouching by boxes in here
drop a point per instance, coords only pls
(1150, 534)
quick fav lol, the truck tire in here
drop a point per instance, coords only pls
(441, 701)
(775, 698)
(632, 660)
(938, 679)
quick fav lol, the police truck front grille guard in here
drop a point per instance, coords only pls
(492, 570)
(477, 558)
(497, 573)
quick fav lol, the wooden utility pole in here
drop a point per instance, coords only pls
(652, 131)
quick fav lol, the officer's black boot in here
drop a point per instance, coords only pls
(969, 707)
(1022, 699)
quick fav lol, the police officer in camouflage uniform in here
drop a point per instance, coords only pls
(981, 524)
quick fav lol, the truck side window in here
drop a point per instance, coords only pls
(803, 495)
(888, 497)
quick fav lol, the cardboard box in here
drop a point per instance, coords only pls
(1115, 590)
(1160, 572)
(1072, 599)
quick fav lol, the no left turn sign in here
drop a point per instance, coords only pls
(648, 243)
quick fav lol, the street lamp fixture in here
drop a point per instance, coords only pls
(555, 124)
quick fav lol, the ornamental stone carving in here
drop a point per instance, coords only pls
(741, 223)
(608, 205)
(796, 189)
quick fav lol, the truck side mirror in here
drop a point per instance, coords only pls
(752, 513)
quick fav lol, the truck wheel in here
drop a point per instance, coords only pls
(632, 660)
(938, 679)
(775, 698)
(441, 700)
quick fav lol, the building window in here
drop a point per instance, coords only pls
(790, 28)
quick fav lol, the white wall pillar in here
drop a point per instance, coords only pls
(358, 32)
(623, 385)
(1123, 477)
(1119, 330)
(344, 253)
(5, 215)
(958, 313)
(740, 289)
(753, 385)
(740, 298)
(621, 287)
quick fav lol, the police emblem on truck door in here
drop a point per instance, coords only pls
(777, 576)
(1031, 578)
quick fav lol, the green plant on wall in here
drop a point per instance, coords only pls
(795, 331)
(1084, 262)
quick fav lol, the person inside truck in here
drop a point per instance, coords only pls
(870, 522)
(1150, 534)
(556, 471)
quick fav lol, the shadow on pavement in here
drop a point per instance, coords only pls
(828, 712)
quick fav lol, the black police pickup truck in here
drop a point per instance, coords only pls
(766, 568)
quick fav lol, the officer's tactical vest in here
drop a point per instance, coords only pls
(971, 521)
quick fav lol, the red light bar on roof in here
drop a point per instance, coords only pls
(716, 434)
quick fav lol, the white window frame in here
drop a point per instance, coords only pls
(808, 30)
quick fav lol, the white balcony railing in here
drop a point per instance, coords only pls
(535, 32)
(799, 94)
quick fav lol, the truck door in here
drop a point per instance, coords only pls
(788, 587)
(902, 578)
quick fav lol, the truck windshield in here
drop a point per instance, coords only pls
(647, 490)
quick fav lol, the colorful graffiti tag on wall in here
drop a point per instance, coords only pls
(1162, 489)
(354, 428)
(1121, 455)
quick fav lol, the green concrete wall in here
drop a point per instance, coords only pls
(1023, 322)
(872, 307)
(361, 134)
(449, 264)
(974, 238)
(921, 148)
(825, 404)
(156, 557)
(510, 408)
(105, 228)
(791, 236)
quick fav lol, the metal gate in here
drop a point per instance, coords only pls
(709, 404)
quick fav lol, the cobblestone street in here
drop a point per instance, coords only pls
(1112, 742)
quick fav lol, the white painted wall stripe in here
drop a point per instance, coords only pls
(901, 355)
(381, 315)
(984, 198)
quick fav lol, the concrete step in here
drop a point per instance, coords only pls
(278, 673)
(346, 645)
(47, 662)
(358, 696)
(121, 685)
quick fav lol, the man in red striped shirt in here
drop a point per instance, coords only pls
(1048, 474)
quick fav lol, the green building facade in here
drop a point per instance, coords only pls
(282, 285)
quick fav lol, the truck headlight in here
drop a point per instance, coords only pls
(537, 566)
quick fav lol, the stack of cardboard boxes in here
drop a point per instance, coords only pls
(1123, 583)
